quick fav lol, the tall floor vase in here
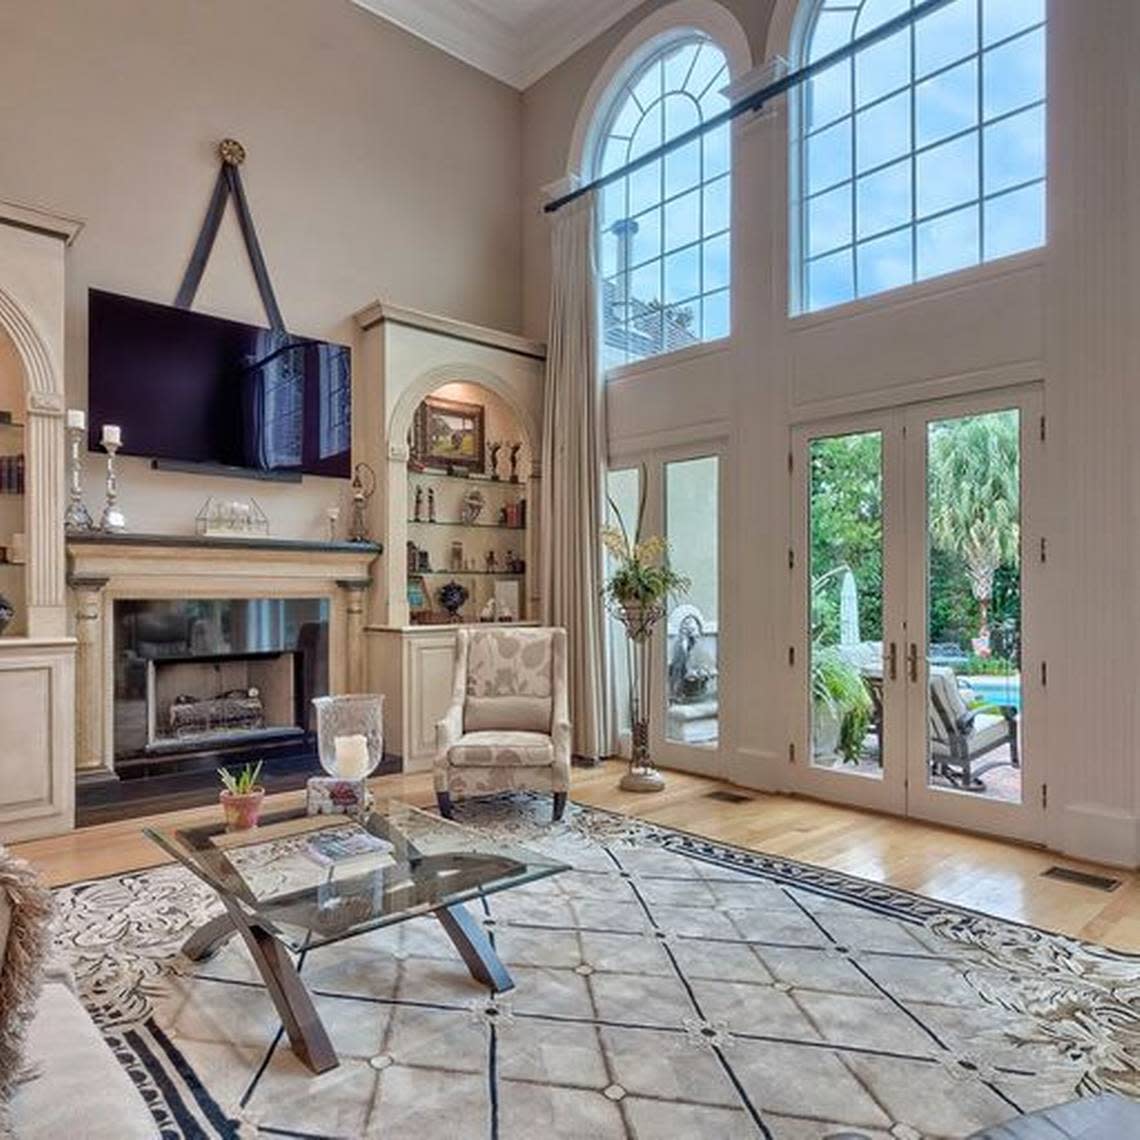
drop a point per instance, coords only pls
(639, 621)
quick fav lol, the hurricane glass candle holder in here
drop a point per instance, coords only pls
(350, 734)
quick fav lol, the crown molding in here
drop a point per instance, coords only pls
(518, 52)
(40, 221)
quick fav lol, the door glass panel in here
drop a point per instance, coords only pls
(623, 489)
(692, 522)
(974, 709)
(845, 506)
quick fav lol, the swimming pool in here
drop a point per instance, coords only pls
(996, 690)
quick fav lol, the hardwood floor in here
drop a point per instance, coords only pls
(984, 874)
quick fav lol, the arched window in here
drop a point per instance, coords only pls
(925, 153)
(664, 240)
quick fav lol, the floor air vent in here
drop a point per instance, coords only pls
(727, 797)
(1081, 878)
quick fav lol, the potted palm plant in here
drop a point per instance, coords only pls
(636, 593)
(241, 796)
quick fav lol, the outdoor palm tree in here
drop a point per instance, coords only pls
(974, 489)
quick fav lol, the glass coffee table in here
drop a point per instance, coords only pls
(281, 901)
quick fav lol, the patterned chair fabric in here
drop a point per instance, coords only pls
(508, 725)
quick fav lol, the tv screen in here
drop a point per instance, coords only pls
(198, 389)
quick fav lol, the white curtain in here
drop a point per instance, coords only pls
(573, 472)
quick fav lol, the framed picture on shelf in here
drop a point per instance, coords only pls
(449, 433)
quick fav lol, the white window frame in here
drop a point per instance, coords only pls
(794, 24)
(661, 27)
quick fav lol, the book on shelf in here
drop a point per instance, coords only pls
(348, 845)
(11, 474)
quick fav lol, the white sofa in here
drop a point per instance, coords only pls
(73, 1086)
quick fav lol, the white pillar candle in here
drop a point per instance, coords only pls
(352, 761)
(77, 419)
(112, 434)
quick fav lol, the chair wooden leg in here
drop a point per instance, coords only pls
(559, 805)
(443, 799)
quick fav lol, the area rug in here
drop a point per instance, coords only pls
(666, 986)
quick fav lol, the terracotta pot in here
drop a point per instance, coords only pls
(241, 812)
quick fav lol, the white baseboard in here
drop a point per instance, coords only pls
(1099, 834)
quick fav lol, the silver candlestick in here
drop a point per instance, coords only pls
(78, 517)
(112, 518)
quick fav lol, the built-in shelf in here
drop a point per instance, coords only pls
(472, 481)
(463, 525)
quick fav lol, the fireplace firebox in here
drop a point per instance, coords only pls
(206, 679)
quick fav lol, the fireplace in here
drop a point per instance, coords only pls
(206, 679)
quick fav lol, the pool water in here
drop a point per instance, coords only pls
(996, 690)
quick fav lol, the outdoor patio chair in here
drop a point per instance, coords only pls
(959, 736)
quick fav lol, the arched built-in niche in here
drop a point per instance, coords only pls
(12, 515)
(505, 419)
(35, 340)
(37, 695)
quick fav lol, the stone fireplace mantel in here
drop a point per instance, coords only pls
(103, 569)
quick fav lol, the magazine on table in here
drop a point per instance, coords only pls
(348, 845)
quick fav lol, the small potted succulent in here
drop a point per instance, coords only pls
(241, 796)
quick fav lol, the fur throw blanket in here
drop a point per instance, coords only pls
(22, 958)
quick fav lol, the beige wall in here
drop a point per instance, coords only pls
(378, 166)
(550, 109)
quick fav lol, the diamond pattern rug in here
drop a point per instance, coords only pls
(667, 986)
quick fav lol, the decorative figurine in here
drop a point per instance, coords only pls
(493, 450)
(363, 488)
(491, 561)
(431, 504)
(418, 513)
(78, 517)
(515, 462)
(112, 519)
(333, 514)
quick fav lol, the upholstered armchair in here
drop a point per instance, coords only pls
(508, 725)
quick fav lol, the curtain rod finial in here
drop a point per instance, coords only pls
(232, 152)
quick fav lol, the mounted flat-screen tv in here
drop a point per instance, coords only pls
(194, 389)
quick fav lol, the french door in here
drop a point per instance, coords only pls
(682, 496)
(916, 568)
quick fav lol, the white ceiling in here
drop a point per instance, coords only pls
(517, 41)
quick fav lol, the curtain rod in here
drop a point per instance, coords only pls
(756, 100)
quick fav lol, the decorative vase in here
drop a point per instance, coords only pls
(639, 620)
(242, 811)
(453, 596)
(350, 734)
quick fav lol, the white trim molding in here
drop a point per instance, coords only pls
(1099, 834)
(518, 51)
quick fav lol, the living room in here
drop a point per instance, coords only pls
(567, 568)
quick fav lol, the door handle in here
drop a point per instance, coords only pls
(893, 661)
(912, 662)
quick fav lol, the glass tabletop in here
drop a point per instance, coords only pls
(402, 862)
